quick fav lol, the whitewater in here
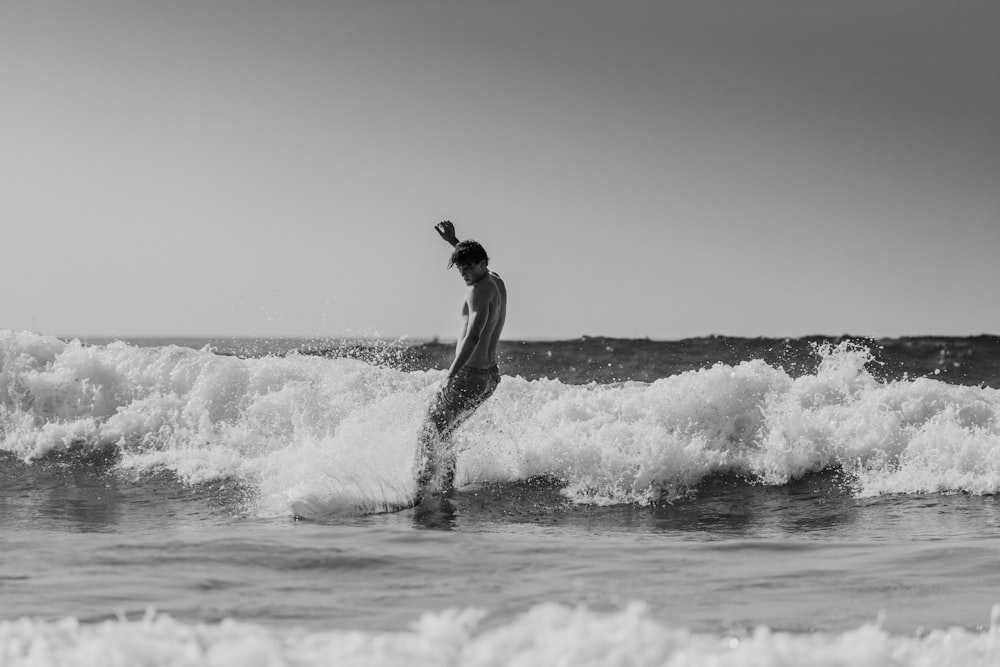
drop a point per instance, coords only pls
(735, 513)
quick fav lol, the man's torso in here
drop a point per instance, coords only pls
(485, 354)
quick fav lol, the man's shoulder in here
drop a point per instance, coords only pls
(487, 289)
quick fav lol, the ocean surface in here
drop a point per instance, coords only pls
(714, 501)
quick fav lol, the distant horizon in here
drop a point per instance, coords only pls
(539, 339)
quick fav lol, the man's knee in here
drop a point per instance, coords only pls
(437, 423)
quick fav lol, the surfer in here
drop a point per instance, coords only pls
(473, 375)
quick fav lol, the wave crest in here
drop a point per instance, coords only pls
(298, 426)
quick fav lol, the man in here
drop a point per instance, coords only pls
(473, 375)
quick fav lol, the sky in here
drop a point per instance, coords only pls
(635, 168)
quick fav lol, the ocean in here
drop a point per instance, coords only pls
(712, 501)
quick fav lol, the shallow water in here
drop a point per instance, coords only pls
(86, 542)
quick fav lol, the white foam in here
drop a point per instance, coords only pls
(547, 634)
(342, 433)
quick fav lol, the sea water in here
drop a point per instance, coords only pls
(792, 506)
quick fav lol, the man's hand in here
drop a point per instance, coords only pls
(447, 232)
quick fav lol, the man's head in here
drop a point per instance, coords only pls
(471, 260)
(468, 252)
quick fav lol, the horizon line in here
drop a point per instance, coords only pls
(528, 339)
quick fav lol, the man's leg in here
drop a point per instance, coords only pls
(427, 445)
(442, 417)
(453, 404)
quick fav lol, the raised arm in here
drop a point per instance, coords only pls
(447, 231)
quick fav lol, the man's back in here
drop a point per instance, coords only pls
(492, 291)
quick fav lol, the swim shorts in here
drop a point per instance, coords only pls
(457, 399)
(454, 402)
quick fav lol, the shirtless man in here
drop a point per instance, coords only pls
(473, 375)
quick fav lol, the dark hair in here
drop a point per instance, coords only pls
(468, 252)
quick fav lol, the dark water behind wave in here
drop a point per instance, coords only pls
(971, 360)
